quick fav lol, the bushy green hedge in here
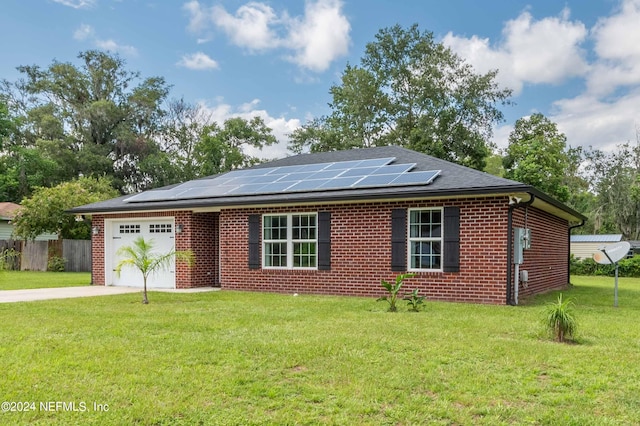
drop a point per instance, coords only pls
(627, 267)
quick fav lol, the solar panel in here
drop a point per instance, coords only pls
(376, 162)
(307, 185)
(327, 174)
(363, 171)
(394, 168)
(375, 172)
(295, 177)
(343, 165)
(340, 182)
(156, 195)
(416, 178)
(376, 180)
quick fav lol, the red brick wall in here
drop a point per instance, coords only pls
(97, 251)
(200, 233)
(361, 253)
(546, 261)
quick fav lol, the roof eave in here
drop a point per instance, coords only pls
(335, 196)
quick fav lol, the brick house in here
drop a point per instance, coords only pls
(339, 222)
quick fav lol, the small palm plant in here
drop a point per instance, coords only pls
(140, 255)
(560, 320)
(393, 289)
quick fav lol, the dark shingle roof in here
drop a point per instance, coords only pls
(454, 180)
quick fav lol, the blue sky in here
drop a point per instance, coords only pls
(576, 62)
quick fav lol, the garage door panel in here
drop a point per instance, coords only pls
(161, 232)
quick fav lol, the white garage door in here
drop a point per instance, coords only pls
(161, 231)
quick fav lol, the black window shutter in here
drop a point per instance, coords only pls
(451, 249)
(324, 240)
(254, 241)
(399, 240)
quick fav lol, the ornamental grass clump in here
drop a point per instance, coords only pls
(560, 320)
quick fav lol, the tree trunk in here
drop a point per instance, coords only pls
(145, 300)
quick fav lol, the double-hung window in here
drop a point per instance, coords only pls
(425, 239)
(290, 241)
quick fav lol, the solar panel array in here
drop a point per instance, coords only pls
(303, 178)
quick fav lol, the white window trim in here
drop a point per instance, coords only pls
(410, 240)
(289, 241)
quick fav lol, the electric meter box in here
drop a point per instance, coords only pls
(522, 241)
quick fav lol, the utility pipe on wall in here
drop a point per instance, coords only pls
(512, 207)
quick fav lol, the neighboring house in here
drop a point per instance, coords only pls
(338, 223)
(7, 213)
(584, 246)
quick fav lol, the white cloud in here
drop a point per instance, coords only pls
(87, 32)
(198, 17)
(544, 51)
(198, 61)
(250, 27)
(83, 32)
(311, 41)
(533, 53)
(617, 44)
(112, 46)
(281, 126)
(320, 36)
(77, 4)
(589, 121)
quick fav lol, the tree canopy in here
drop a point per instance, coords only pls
(537, 155)
(615, 180)
(410, 91)
(45, 211)
(97, 118)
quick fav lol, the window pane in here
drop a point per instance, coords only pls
(275, 254)
(425, 254)
(275, 227)
(304, 227)
(304, 255)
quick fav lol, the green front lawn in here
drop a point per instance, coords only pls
(251, 358)
(19, 280)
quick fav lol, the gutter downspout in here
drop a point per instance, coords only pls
(569, 249)
(512, 207)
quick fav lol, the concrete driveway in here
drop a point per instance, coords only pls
(8, 296)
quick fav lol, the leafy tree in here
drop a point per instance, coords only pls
(45, 210)
(221, 149)
(6, 124)
(22, 169)
(93, 119)
(410, 91)
(537, 155)
(182, 128)
(494, 165)
(615, 179)
(140, 255)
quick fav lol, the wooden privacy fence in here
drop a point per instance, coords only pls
(35, 255)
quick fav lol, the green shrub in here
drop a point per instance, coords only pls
(560, 320)
(8, 259)
(56, 264)
(393, 289)
(414, 301)
(626, 267)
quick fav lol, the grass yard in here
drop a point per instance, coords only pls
(19, 280)
(250, 358)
